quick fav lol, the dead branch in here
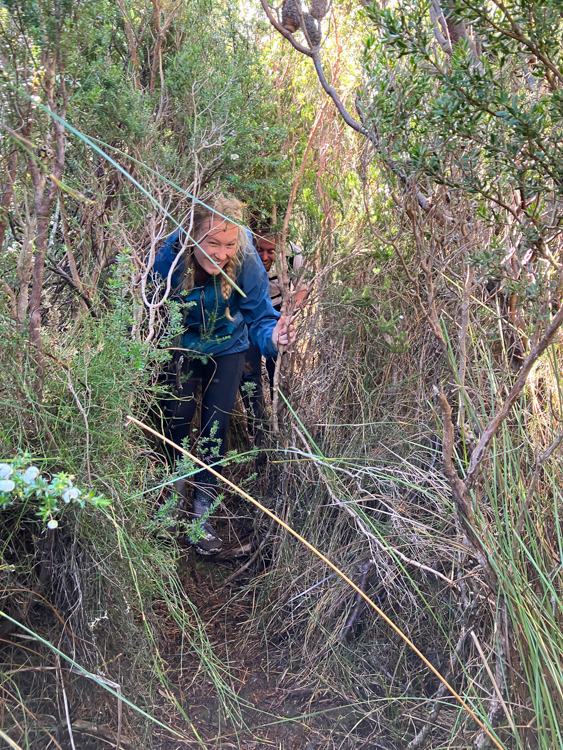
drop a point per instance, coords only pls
(158, 232)
(236, 573)
(498, 704)
(366, 569)
(160, 32)
(424, 202)
(84, 299)
(361, 526)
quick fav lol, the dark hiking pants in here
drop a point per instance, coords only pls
(220, 379)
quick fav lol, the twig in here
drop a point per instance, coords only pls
(311, 588)
(8, 192)
(438, 19)
(71, 282)
(65, 701)
(84, 413)
(70, 256)
(111, 687)
(366, 569)
(235, 552)
(314, 55)
(117, 687)
(467, 290)
(425, 203)
(43, 200)
(518, 36)
(35, 718)
(160, 33)
(460, 493)
(236, 573)
(131, 41)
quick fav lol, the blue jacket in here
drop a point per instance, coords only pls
(207, 329)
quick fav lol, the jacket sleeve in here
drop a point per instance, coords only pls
(164, 259)
(256, 308)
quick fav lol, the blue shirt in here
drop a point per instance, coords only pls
(207, 329)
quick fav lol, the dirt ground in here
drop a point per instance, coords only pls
(277, 710)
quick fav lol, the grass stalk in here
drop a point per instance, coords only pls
(337, 570)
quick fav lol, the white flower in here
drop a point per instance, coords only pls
(52, 524)
(36, 98)
(71, 494)
(31, 474)
(5, 471)
(401, 317)
(234, 157)
(266, 127)
(6, 485)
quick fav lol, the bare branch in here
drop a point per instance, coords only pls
(418, 741)
(460, 493)
(72, 283)
(314, 55)
(331, 91)
(442, 34)
(283, 31)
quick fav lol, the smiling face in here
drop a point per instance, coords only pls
(266, 248)
(219, 240)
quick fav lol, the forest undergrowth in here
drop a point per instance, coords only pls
(415, 435)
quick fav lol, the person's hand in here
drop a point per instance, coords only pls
(283, 334)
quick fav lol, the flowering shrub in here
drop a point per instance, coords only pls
(21, 482)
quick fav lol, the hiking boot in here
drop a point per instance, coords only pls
(210, 543)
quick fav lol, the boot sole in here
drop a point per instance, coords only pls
(207, 552)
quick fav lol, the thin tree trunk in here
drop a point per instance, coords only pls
(7, 194)
(44, 197)
(41, 239)
(131, 41)
(287, 301)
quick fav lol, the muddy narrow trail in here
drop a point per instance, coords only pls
(278, 707)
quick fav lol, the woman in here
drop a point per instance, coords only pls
(217, 323)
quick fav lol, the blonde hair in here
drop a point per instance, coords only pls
(217, 207)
